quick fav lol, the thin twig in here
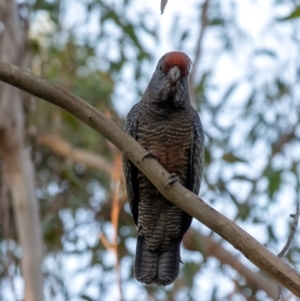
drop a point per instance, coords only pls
(66, 149)
(116, 179)
(288, 243)
(292, 234)
(105, 242)
(117, 203)
(198, 52)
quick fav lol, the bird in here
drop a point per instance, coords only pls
(165, 123)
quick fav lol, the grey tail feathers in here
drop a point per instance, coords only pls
(160, 268)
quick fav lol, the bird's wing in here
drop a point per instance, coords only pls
(130, 171)
(195, 167)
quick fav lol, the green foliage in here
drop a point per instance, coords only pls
(293, 15)
(251, 156)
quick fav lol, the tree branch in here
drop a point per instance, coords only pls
(289, 242)
(292, 234)
(256, 281)
(65, 149)
(18, 168)
(177, 194)
(198, 52)
(195, 241)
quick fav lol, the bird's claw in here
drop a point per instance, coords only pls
(150, 155)
(172, 179)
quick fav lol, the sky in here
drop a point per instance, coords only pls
(254, 17)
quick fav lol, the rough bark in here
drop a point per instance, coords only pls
(18, 167)
(176, 193)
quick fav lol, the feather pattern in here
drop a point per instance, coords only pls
(165, 123)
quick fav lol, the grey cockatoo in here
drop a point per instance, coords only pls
(165, 123)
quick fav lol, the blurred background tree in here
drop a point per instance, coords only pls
(244, 84)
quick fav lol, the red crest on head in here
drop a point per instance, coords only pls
(179, 59)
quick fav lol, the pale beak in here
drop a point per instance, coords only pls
(174, 73)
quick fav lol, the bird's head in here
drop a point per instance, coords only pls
(169, 83)
(175, 65)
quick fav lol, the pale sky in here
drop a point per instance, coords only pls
(254, 17)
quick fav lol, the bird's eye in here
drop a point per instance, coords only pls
(160, 67)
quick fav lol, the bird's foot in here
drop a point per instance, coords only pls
(150, 155)
(172, 179)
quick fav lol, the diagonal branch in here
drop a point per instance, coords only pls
(65, 149)
(195, 241)
(292, 234)
(177, 194)
(198, 53)
(256, 281)
(289, 242)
